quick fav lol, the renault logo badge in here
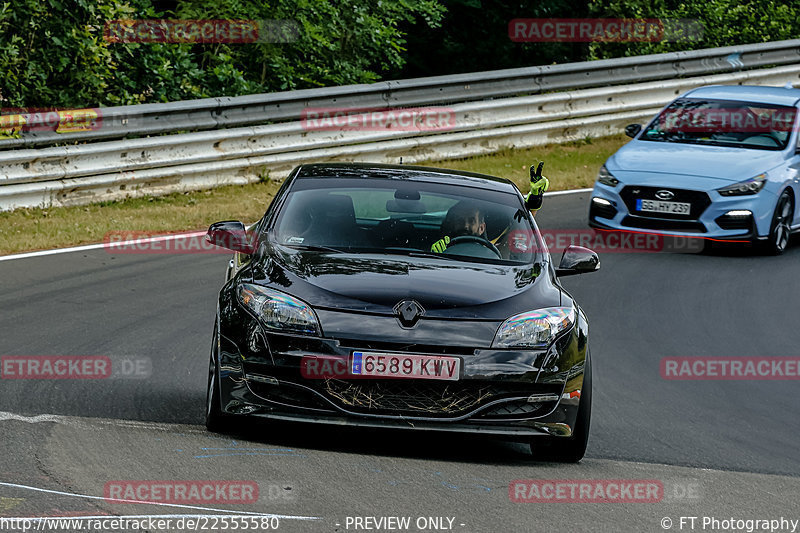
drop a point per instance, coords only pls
(408, 313)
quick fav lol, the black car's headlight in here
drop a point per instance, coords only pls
(606, 178)
(751, 186)
(534, 329)
(277, 311)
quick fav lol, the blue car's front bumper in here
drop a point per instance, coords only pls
(614, 208)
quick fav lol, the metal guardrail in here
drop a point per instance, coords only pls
(214, 113)
(97, 171)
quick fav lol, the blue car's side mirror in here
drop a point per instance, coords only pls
(632, 130)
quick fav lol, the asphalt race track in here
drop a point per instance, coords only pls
(721, 448)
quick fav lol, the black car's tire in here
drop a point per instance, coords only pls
(780, 228)
(569, 449)
(216, 420)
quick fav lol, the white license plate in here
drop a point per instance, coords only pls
(658, 206)
(392, 365)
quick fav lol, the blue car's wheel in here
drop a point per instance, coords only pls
(781, 225)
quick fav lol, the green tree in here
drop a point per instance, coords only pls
(53, 53)
(473, 36)
(725, 23)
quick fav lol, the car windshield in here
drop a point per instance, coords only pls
(407, 217)
(723, 123)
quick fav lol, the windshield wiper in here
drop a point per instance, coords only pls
(420, 253)
(312, 248)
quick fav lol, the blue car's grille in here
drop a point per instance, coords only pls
(699, 201)
(689, 226)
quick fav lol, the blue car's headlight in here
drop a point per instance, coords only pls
(278, 311)
(534, 329)
(606, 178)
(751, 186)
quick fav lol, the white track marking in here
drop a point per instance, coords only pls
(119, 500)
(4, 415)
(560, 193)
(83, 422)
(102, 245)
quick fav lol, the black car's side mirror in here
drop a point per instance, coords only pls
(632, 130)
(231, 235)
(578, 260)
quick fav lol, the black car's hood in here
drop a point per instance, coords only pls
(375, 283)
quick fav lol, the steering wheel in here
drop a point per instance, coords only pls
(464, 239)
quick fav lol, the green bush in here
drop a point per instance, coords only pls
(725, 22)
(53, 53)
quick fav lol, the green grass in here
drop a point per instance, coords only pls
(572, 165)
(36, 229)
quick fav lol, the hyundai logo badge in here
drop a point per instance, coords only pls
(665, 194)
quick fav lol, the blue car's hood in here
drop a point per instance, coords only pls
(723, 163)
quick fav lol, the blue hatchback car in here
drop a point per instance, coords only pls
(720, 162)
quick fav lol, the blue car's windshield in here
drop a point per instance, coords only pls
(407, 218)
(723, 123)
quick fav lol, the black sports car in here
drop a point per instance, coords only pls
(401, 296)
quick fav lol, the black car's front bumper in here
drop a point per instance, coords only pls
(501, 392)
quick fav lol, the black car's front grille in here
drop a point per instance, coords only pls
(288, 394)
(516, 409)
(406, 397)
(688, 226)
(699, 201)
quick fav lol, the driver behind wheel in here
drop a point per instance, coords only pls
(463, 219)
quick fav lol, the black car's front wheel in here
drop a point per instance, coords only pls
(781, 225)
(570, 449)
(216, 420)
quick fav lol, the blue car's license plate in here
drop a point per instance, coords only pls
(659, 206)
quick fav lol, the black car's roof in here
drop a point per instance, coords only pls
(431, 174)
